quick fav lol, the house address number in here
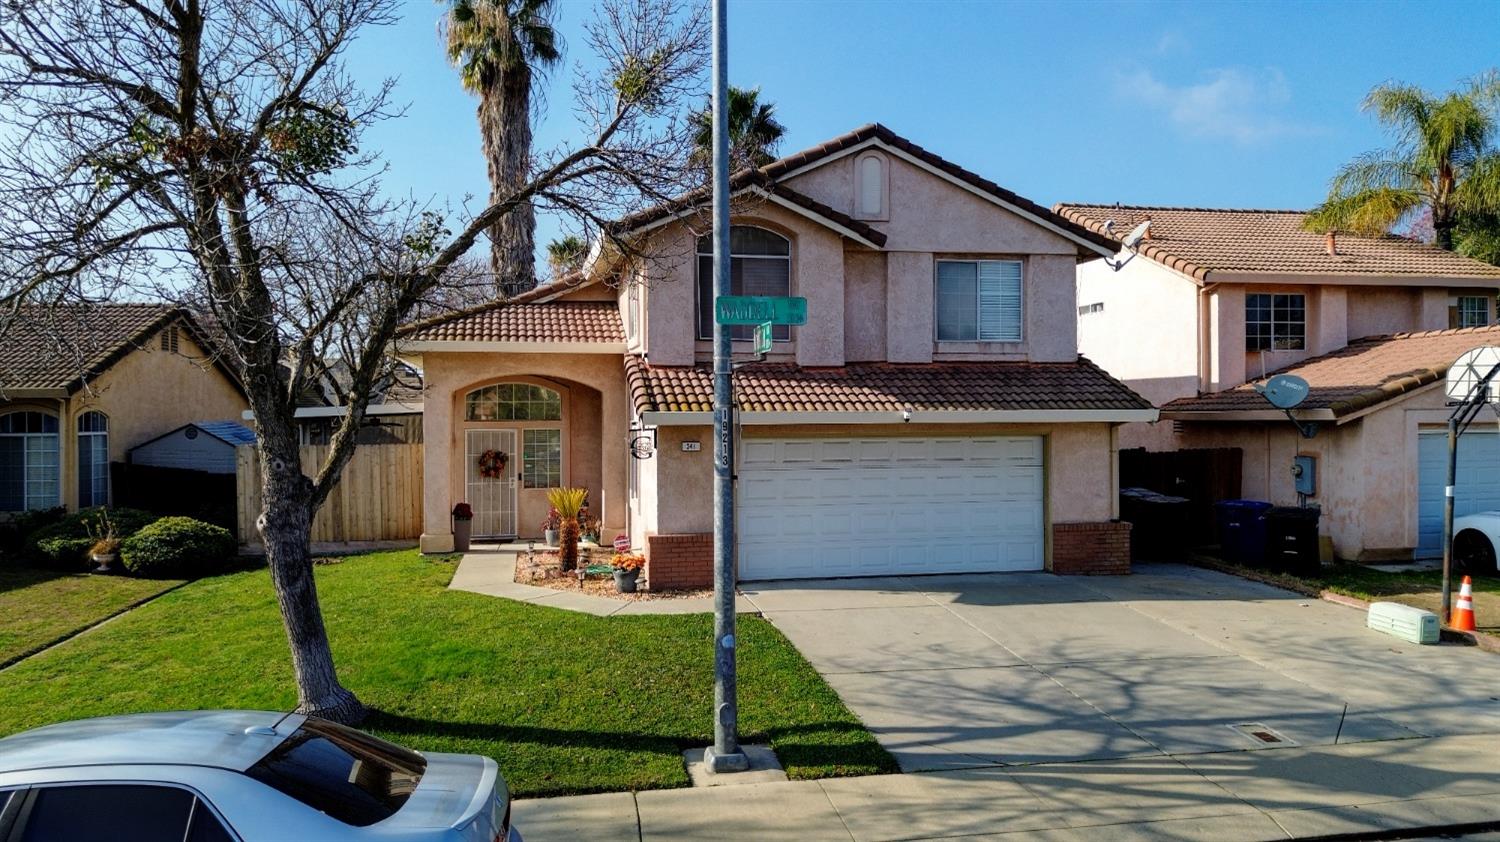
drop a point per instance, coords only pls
(691, 447)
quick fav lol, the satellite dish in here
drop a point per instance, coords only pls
(1285, 391)
(1137, 234)
(1465, 375)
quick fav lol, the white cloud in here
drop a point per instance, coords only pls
(1232, 104)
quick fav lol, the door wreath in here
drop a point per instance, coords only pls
(492, 464)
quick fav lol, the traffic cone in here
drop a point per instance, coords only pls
(1463, 610)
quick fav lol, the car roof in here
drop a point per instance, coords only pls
(224, 739)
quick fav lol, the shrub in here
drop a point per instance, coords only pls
(177, 545)
(65, 543)
(15, 529)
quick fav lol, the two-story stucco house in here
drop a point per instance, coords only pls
(80, 388)
(932, 415)
(1215, 300)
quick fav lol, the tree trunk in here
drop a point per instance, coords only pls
(285, 527)
(1442, 235)
(505, 126)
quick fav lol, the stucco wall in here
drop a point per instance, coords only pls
(1374, 311)
(1146, 335)
(449, 376)
(864, 305)
(147, 393)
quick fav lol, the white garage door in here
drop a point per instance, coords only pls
(874, 506)
(1478, 487)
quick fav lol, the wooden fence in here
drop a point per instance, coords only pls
(378, 498)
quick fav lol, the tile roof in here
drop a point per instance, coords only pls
(1200, 241)
(59, 349)
(740, 181)
(1366, 372)
(506, 321)
(885, 387)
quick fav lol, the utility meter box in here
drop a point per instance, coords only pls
(1305, 474)
(1412, 625)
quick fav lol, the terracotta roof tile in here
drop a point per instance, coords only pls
(885, 387)
(1365, 373)
(740, 181)
(45, 349)
(505, 321)
(1200, 241)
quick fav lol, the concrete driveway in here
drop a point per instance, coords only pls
(952, 672)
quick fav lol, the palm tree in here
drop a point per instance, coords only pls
(1444, 159)
(754, 132)
(498, 46)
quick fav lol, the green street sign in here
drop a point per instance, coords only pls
(758, 309)
(763, 338)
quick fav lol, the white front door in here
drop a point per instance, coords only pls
(810, 508)
(493, 498)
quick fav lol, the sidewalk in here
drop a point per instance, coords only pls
(1285, 793)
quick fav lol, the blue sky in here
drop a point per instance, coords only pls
(1204, 103)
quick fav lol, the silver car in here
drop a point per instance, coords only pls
(221, 776)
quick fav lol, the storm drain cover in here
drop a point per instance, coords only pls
(1262, 734)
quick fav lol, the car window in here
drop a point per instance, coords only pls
(347, 774)
(112, 812)
(205, 826)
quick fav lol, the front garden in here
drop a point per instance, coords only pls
(565, 702)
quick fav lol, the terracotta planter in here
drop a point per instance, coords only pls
(625, 580)
(463, 530)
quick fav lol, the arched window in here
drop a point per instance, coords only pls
(760, 264)
(93, 459)
(29, 470)
(870, 177)
(513, 402)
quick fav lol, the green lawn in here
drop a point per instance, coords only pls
(1421, 588)
(38, 607)
(566, 702)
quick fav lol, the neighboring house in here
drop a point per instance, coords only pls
(933, 415)
(1215, 299)
(79, 389)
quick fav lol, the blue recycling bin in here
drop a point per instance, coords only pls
(1242, 530)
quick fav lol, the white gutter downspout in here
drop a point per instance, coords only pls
(1205, 367)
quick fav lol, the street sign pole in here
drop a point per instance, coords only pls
(725, 754)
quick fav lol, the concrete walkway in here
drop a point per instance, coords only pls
(1288, 793)
(492, 571)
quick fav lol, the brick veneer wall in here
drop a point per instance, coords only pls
(679, 561)
(1091, 548)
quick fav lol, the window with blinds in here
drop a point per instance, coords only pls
(760, 264)
(978, 300)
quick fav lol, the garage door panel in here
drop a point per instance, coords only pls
(868, 506)
(1477, 488)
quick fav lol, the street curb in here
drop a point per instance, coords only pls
(1486, 642)
(1407, 832)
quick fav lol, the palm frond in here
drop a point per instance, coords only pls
(567, 501)
(1404, 109)
(1369, 213)
(1479, 192)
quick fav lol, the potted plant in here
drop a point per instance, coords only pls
(105, 549)
(463, 526)
(588, 528)
(566, 502)
(627, 569)
(549, 527)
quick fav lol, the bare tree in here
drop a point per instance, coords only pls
(208, 152)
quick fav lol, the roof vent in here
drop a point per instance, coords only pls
(1331, 244)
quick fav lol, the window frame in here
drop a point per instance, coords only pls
(937, 332)
(25, 437)
(470, 401)
(738, 333)
(1273, 336)
(1484, 303)
(527, 476)
(24, 795)
(86, 443)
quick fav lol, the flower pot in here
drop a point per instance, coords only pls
(463, 530)
(625, 580)
(103, 562)
(551, 537)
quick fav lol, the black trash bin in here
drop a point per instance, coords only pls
(1292, 540)
(1156, 524)
(1242, 531)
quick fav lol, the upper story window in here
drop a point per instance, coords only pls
(1275, 322)
(760, 264)
(978, 300)
(513, 402)
(870, 187)
(1472, 311)
(29, 463)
